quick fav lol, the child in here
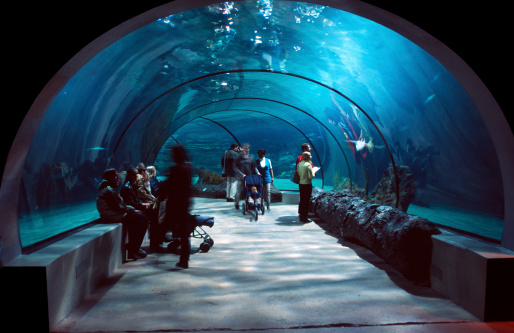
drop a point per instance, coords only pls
(254, 197)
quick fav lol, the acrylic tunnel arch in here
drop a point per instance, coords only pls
(226, 129)
(274, 116)
(485, 104)
(265, 72)
(305, 137)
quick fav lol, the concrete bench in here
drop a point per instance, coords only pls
(49, 283)
(476, 275)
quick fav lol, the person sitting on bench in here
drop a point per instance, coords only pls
(113, 209)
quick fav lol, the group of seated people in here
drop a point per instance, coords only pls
(137, 205)
(143, 201)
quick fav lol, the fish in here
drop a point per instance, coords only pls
(431, 97)
(436, 77)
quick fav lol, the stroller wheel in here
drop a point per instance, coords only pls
(243, 208)
(205, 247)
(262, 210)
(209, 241)
(256, 214)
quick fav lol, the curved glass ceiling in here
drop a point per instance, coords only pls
(274, 74)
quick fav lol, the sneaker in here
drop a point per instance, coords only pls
(142, 253)
(267, 205)
(182, 265)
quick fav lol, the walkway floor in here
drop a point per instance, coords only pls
(273, 275)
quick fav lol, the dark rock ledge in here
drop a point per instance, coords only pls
(402, 240)
(218, 191)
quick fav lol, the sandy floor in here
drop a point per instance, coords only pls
(275, 274)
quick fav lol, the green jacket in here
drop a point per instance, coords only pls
(306, 173)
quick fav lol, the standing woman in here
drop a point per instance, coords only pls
(178, 206)
(306, 173)
(266, 170)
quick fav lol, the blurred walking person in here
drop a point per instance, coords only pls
(178, 206)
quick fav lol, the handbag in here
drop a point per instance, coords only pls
(296, 176)
(223, 173)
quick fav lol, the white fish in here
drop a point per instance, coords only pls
(431, 97)
(436, 77)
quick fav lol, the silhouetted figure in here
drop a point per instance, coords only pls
(228, 161)
(113, 209)
(178, 205)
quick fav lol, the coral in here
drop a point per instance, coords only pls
(344, 183)
(385, 191)
(209, 176)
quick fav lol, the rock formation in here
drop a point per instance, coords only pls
(401, 239)
(218, 191)
(385, 191)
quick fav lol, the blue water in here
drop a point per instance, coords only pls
(276, 75)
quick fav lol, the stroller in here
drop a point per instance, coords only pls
(250, 205)
(197, 222)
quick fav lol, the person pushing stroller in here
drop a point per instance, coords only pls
(245, 165)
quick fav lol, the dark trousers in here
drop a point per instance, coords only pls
(305, 199)
(157, 231)
(183, 229)
(185, 248)
(137, 224)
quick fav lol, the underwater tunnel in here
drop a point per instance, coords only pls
(368, 90)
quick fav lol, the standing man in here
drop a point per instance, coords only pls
(307, 173)
(245, 165)
(228, 161)
(305, 148)
(113, 209)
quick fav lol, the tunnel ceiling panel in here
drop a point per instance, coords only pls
(345, 77)
(382, 72)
